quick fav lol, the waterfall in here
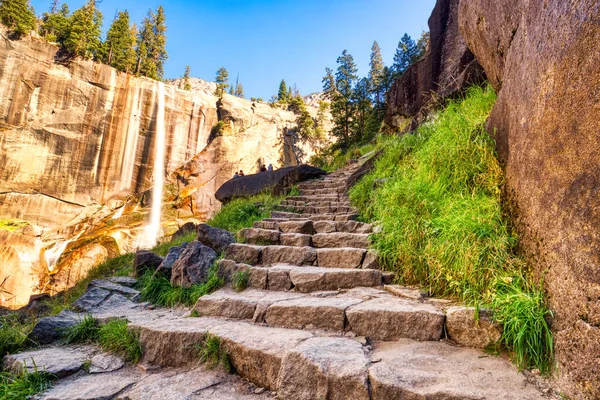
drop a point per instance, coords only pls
(153, 230)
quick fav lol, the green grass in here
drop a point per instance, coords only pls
(23, 386)
(162, 249)
(334, 159)
(436, 195)
(158, 289)
(243, 212)
(13, 334)
(213, 353)
(12, 225)
(239, 280)
(117, 338)
(85, 331)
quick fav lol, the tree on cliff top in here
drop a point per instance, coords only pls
(17, 15)
(239, 90)
(55, 24)
(282, 93)
(119, 51)
(406, 54)
(84, 34)
(151, 45)
(222, 80)
(186, 79)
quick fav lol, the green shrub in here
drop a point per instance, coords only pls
(23, 386)
(239, 280)
(213, 353)
(86, 330)
(436, 195)
(116, 337)
(243, 212)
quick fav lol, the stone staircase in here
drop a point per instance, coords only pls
(316, 321)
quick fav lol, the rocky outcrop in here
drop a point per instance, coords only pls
(446, 69)
(543, 59)
(278, 181)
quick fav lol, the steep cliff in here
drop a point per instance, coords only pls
(446, 69)
(77, 152)
(544, 60)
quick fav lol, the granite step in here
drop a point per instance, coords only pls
(328, 311)
(311, 227)
(259, 236)
(315, 217)
(316, 209)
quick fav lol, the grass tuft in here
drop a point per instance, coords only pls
(243, 212)
(13, 334)
(25, 385)
(436, 195)
(85, 331)
(213, 353)
(239, 280)
(117, 338)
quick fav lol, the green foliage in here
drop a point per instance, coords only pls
(117, 338)
(377, 76)
(84, 32)
(119, 45)
(222, 80)
(407, 53)
(158, 289)
(86, 330)
(25, 385)
(162, 249)
(13, 334)
(55, 25)
(12, 225)
(436, 195)
(239, 280)
(213, 353)
(243, 212)
(18, 16)
(282, 93)
(218, 130)
(333, 159)
(186, 79)
(239, 90)
(294, 191)
(151, 50)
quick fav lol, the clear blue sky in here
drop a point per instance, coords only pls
(269, 40)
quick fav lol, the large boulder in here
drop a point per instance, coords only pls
(446, 69)
(51, 329)
(542, 57)
(278, 182)
(145, 260)
(193, 264)
(215, 238)
(166, 267)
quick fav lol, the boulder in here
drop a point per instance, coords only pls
(215, 238)
(278, 182)
(166, 267)
(145, 260)
(192, 266)
(542, 57)
(51, 329)
(447, 68)
(186, 229)
(91, 299)
(466, 330)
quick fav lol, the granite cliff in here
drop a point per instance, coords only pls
(77, 150)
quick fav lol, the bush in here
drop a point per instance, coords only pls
(436, 195)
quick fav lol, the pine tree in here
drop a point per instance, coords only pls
(18, 16)
(329, 83)
(282, 94)
(239, 90)
(423, 44)
(290, 94)
(186, 79)
(364, 109)
(84, 36)
(406, 54)
(376, 75)
(222, 80)
(158, 51)
(343, 106)
(151, 45)
(320, 122)
(145, 38)
(56, 24)
(119, 44)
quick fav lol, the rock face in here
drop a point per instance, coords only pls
(446, 69)
(279, 181)
(543, 59)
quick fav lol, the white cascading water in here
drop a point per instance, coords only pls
(154, 229)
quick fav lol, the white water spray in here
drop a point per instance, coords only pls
(153, 230)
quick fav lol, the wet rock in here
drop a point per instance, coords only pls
(215, 238)
(465, 329)
(192, 266)
(51, 329)
(145, 261)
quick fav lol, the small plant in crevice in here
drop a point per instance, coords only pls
(214, 353)
(116, 337)
(239, 280)
(24, 385)
(86, 330)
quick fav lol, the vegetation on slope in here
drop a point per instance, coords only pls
(436, 195)
(243, 212)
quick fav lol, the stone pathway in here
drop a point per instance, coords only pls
(316, 322)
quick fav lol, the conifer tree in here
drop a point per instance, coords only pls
(239, 90)
(158, 52)
(329, 83)
(377, 75)
(151, 45)
(84, 34)
(343, 105)
(145, 38)
(282, 94)
(55, 24)
(406, 54)
(423, 44)
(186, 79)
(361, 97)
(320, 122)
(119, 44)
(222, 80)
(18, 16)
(290, 94)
